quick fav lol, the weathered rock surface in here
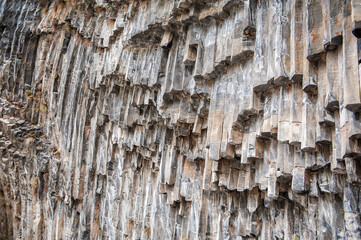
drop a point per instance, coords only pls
(180, 119)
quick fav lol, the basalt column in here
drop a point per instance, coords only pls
(180, 119)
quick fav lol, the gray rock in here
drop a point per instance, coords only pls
(180, 119)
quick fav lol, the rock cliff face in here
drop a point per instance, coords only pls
(180, 119)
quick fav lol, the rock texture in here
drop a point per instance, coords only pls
(180, 119)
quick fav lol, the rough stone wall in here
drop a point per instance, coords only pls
(180, 119)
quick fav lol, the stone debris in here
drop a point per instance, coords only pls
(180, 119)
